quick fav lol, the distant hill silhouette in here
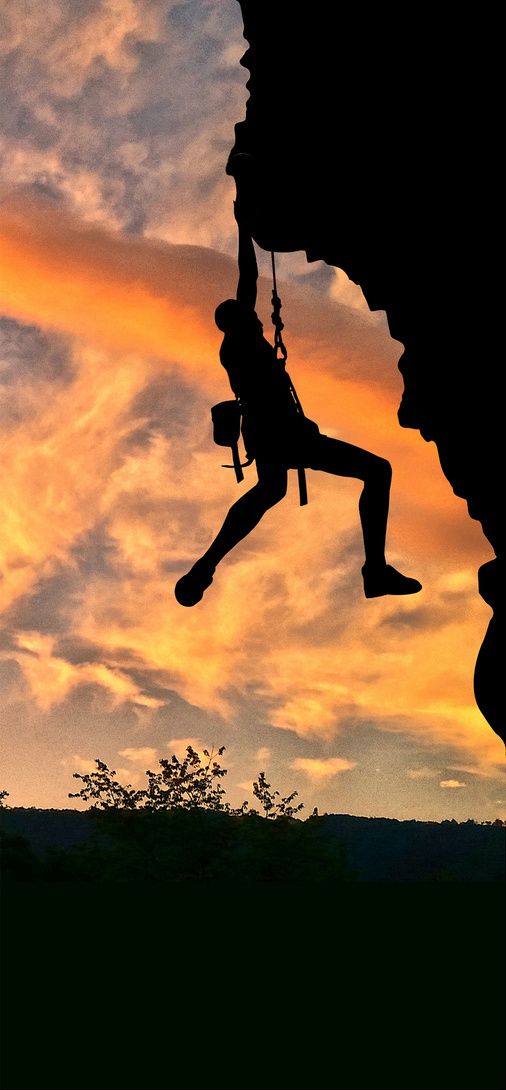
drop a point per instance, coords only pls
(121, 844)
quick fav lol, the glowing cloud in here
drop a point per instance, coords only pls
(51, 678)
(125, 294)
(322, 768)
(285, 623)
(139, 754)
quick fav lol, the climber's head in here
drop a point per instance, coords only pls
(232, 317)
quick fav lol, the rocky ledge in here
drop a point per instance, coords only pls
(372, 140)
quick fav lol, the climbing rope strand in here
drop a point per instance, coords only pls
(273, 263)
(279, 344)
(276, 313)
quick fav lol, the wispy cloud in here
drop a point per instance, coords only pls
(124, 109)
(178, 746)
(50, 678)
(322, 768)
(97, 451)
(141, 755)
(83, 765)
(118, 120)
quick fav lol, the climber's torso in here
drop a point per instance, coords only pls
(256, 376)
(272, 425)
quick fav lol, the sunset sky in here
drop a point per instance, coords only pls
(117, 242)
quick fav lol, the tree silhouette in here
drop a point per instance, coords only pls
(187, 784)
(272, 809)
(106, 792)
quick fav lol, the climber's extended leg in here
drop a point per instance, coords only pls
(240, 521)
(345, 460)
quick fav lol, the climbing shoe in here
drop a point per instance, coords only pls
(190, 588)
(387, 580)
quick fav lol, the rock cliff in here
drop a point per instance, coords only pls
(372, 141)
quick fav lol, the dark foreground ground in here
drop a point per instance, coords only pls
(329, 983)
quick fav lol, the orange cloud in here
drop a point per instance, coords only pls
(150, 299)
(285, 622)
(139, 754)
(107, 289)
(51, 678)
(144, 296)
(54, 463)
(322, 768)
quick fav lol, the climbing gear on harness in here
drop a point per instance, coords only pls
(226, 418)
(280, 346)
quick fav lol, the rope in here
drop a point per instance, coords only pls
(276, 314)
(280, 346)
(273, 263)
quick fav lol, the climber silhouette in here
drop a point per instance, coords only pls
(279, 437)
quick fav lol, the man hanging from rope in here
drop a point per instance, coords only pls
(279, 437)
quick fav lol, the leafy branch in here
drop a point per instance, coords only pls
(267, 798)
(193, 783)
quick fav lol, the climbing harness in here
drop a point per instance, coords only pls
(226, 416)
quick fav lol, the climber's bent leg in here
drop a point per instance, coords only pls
(246, 513)
(346, 460)
(242, 518)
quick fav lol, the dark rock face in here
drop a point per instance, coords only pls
(372, 141)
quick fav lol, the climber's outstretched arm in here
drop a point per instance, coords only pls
(248, 269)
